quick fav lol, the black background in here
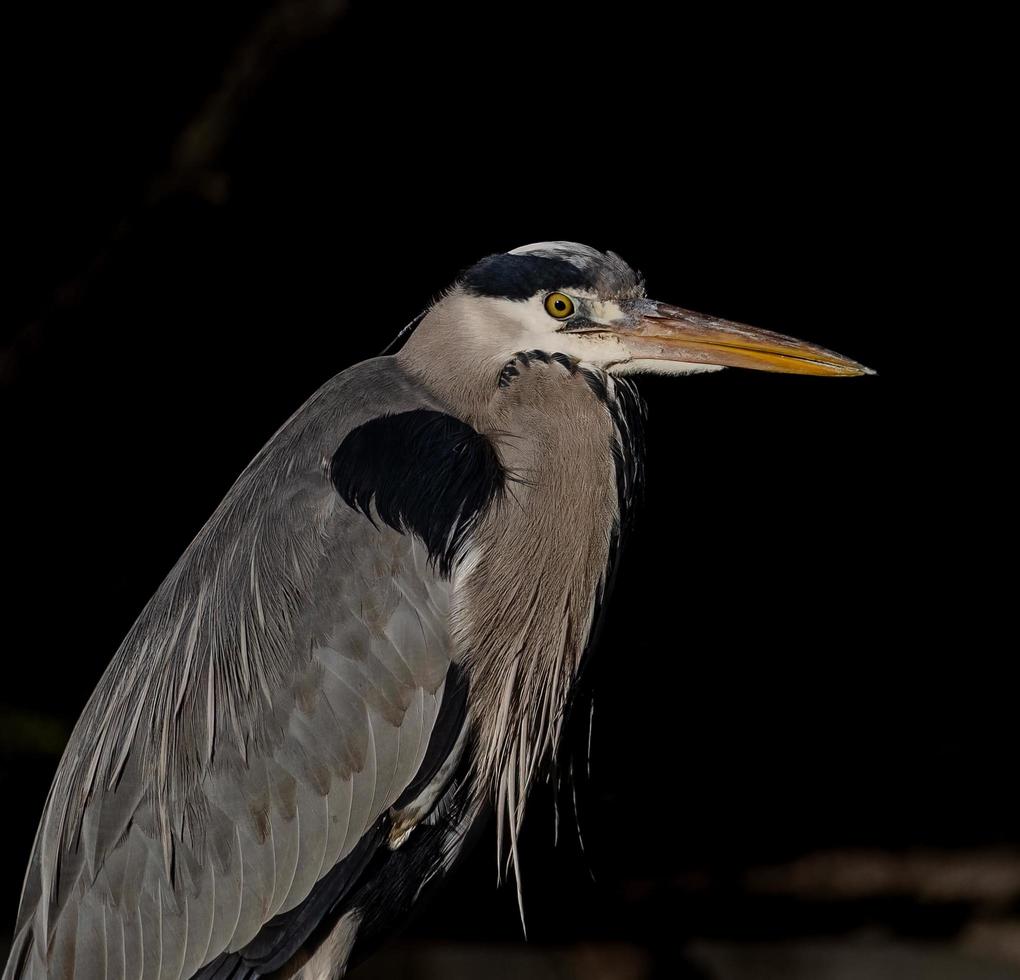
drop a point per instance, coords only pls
(793, 659)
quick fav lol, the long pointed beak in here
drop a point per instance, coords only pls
(655, 331)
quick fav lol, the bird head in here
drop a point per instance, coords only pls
(566, 297)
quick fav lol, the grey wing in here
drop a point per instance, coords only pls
(275, 698)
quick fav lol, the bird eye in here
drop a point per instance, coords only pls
(559, 305)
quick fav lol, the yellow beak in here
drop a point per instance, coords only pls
(655, 331)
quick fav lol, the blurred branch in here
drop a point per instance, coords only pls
(986, 877)
(194, 161)
(282, 29)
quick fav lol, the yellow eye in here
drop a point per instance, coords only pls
(559, 305)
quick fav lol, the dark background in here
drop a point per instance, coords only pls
(215, 208)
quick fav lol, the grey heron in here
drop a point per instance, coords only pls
(372, 642)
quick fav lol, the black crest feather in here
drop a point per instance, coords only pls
(426, 472)
(519, 277)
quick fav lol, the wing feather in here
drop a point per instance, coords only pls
(272, 701)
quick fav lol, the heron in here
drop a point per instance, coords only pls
(371, 646)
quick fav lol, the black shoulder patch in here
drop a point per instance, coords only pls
(519, 277)
(427, 473)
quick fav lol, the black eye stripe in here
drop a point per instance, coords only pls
(519, 277)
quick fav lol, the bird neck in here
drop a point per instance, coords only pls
(527, 587)
(456, 361)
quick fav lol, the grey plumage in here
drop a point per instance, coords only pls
(345, 670)
(273, 674)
